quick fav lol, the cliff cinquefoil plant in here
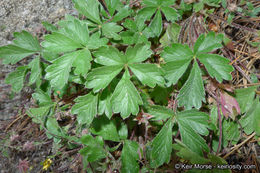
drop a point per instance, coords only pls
(103, 61)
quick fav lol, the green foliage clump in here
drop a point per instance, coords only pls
(108, 59)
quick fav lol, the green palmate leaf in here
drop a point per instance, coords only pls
(187, 154)
(245, 97)
(155, 27)
(217, 66)
(43, 98)
(12, 54)
(85, 108)
(130, 157)
(53, 128)
(94, 149)
(76, 30)
(27, 41)
(192, 93)
(89, 9)
(150, 3)
(95, 41)
(177, 58)
(111, 5)
(106, 128)
(171, 35)
(126, 99)
(148, 74)
(104, 103)
(198, 121)
(130, 24)
(177, 52)
(99, 78)
(174, 70)
(58, 72)
(207, 43)
(81, 62)
(160, 112)
(16, 78)
(230, 133)
(37, 114)
(162, 146)
(122, 130)
(138, 53)
(114, 57)
(251, 120)
(110, 30)
(58, 42)
(35, 70)
(134, 34)
(170, 13)
(24, 45)
(143, 15)
(190, 138)
(122, 13)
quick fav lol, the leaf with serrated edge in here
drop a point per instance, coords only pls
(250, 121)
(57, 42)
(95, 41)
(89, 9)
(126, 99)
(35, 70)
(198, 121)
(162, 146)
(155, 26)
(25, 40)
(148, 74)
(160, 112)
(77, 31)
(190, 138)
(207, 43)
(130, 157)
(187, 154)
(93, 150)
(42, 97)
(138, 53)
(177, 52)
(109, 56)
(192, 93)
(170, 13)
(58, 72)
(217, 66)
(104, 103)
(175, 69)
(110, 30)
(82, 62)
(100, 77)
(12, 54)
(85, 108)
(111, 5)
(16, 78)
(245, 97)
(24, 45)
(106, 128)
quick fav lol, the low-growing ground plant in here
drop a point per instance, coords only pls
(122, 85)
